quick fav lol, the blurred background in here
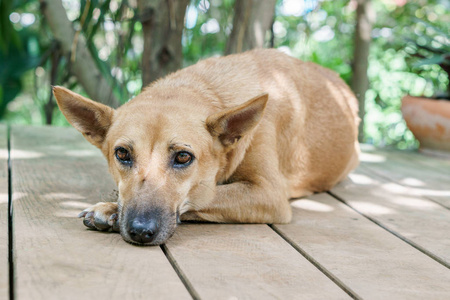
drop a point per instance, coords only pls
(108, 50)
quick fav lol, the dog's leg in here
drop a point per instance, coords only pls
(243, 202)
(101, 216)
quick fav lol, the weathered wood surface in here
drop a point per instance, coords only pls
(419, 220)
(422, 175)
(55, 175)
(372, 262)
(247, 262)
(4, 269)
(381, 234)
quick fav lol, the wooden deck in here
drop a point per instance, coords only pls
(382, 234)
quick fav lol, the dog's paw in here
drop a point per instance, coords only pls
(101, 216)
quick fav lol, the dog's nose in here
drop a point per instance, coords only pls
(143, 231)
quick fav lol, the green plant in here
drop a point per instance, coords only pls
(432, 48)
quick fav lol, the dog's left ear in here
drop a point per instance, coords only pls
(233, 123)
(91, 118)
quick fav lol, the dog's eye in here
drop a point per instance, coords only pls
(183, 159)
(123, 155)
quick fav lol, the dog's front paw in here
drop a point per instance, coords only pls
(101, 216)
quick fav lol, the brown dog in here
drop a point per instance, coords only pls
(229, 139)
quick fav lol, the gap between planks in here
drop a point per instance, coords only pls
(10, 221)
(180, 273)
(406, 240)
(316, 264)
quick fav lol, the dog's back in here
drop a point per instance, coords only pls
(310, 125)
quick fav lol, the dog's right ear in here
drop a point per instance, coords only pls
(231, 124)
(91, 118)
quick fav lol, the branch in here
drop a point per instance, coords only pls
(84, 66)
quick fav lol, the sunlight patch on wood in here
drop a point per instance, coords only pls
(70, 209)
(373, 209)
(372, 158)
(75, 204)
(18, 195)
(3, 153)
(67, 213)
(410, 191)
(416, 202)
(82, 153)
(61, 196)
(26, 154)
(311, 205)
(412, 181)
(361, 179)
(3, 198)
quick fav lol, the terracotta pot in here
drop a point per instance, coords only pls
(429, 121)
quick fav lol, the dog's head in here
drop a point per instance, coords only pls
(165, 156)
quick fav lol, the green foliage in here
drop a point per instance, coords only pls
(207, 30)
(392, 73)
(20, 52)
(7, 33)
(432, 48)
(15, 60)
(323, 34)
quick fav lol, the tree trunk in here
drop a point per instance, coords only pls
(55, 58)
(163, 24)
(84, 66)
(365, 17)
(252, 20)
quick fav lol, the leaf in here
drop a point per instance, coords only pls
(7, 32)
(434, 60)
(103, 10)
(13, 65)
(10, 89)
(435, 28)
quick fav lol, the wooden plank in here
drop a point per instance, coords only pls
(412, 185)
(56, 174)
(414, 159)
(424, 175)
(422, 222)
(372, 262)
(405, 164)
(246, 262)
(4, 266)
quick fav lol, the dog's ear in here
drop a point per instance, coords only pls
(233, 123)
(91, 118)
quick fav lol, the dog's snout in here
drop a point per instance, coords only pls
(143, 231)
(147, 225)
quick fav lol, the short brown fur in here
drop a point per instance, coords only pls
(295, 136)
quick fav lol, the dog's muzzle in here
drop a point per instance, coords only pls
(148, 227)
(143, 231)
